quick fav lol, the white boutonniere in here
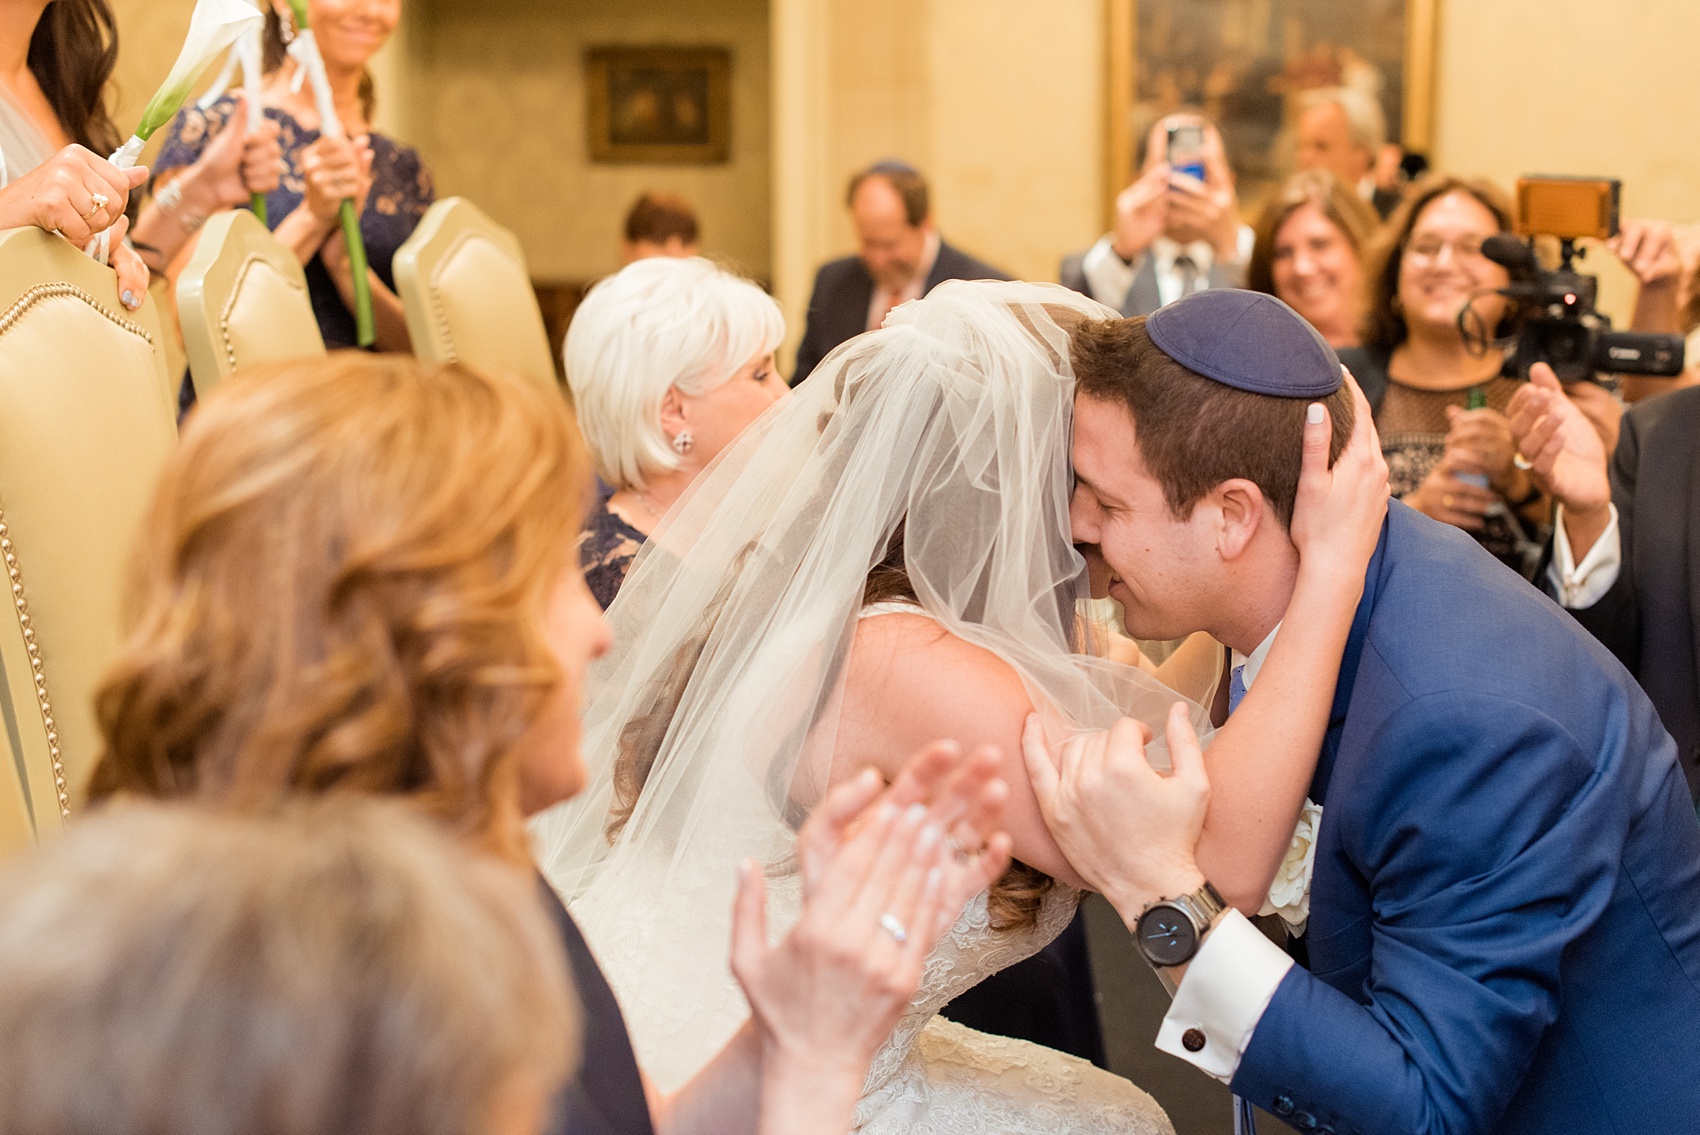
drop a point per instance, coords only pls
(1289, 894)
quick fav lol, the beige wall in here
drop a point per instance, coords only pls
(999, 102)
(1593, 87)
(497, 105)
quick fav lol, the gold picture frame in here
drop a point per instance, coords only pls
(1409, 95)
(659, 105)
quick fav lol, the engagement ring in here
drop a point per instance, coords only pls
(894, 928)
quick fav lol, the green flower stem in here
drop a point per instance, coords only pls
(365, 333)
(257, 202)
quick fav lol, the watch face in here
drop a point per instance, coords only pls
(1166, 935)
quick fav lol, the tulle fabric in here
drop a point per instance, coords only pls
(951, 422)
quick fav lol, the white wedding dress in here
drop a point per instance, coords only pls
(937, 1076)
(710, 727)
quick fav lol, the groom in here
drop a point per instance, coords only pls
(1504, 930)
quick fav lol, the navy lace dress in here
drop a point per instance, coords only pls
(401, 192)
(606, 548)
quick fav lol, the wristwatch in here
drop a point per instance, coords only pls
(1169, 930)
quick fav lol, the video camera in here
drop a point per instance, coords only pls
(1553, 314)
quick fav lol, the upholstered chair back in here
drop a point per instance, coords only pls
(242, 301)
(463, 281)
(87, 420)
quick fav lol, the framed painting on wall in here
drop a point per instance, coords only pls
(1245, 64)
(659, 104)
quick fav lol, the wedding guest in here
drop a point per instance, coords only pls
(357, 578)
(668, 360)
(1174, 234)
(900, 257)
(56, 61)
(163, 968)
(659, 224)
(389, 181)
(1309, 253)
(1664, 268)
(1343, 131)
(1426, 277)
(1619, 559)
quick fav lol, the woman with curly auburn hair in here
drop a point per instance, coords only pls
(359, 577)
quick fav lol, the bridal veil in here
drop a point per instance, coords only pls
(950, 427)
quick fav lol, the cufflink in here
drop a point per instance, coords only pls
(1193, 1040)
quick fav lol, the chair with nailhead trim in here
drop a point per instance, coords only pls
(463, 281)
(242, 302)
(87, 420)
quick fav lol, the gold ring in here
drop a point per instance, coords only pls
(100, 200)
(1446, 500)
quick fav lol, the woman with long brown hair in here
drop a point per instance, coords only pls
(56, 59)
(359, 576)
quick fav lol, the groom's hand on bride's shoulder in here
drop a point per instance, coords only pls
(1128, 829)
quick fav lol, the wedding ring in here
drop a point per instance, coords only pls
(895, 928)
(100, 201)
(957, 849)
(1446, 500)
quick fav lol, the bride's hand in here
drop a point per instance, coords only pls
(889, 880)
(966, 795)
(1338, 515)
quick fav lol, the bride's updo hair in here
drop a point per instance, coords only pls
(341, 587)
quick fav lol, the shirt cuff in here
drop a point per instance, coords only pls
(1582, 585)
(1228, 985)
(1107, 274)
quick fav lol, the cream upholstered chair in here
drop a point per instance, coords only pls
(87, 420)
(463, 281)
(242, 300)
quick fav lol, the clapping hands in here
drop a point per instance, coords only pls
(884, 873)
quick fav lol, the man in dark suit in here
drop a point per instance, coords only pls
(902, 258)
(1504, 902)
(1174, 234)
(1625, 552)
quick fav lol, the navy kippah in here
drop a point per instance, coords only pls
(1247, 340)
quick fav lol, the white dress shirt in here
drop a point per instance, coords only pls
(1235, 973)
(882, 301)
(1580, 585)
(1109, 277)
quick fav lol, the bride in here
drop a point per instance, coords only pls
(885, 556)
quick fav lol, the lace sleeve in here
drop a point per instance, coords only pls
(188, 136)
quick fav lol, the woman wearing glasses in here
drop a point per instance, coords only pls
(1438, 396)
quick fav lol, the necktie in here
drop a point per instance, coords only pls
(1187, 269)
(1245, 1119)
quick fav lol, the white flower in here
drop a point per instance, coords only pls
(215, 25)
(1289, 894)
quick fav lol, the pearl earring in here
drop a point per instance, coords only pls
(683, 442)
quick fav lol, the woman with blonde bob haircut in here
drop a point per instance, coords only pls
(668, 361)
(358, 577)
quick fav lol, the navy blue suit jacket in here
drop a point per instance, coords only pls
(1505, 912)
